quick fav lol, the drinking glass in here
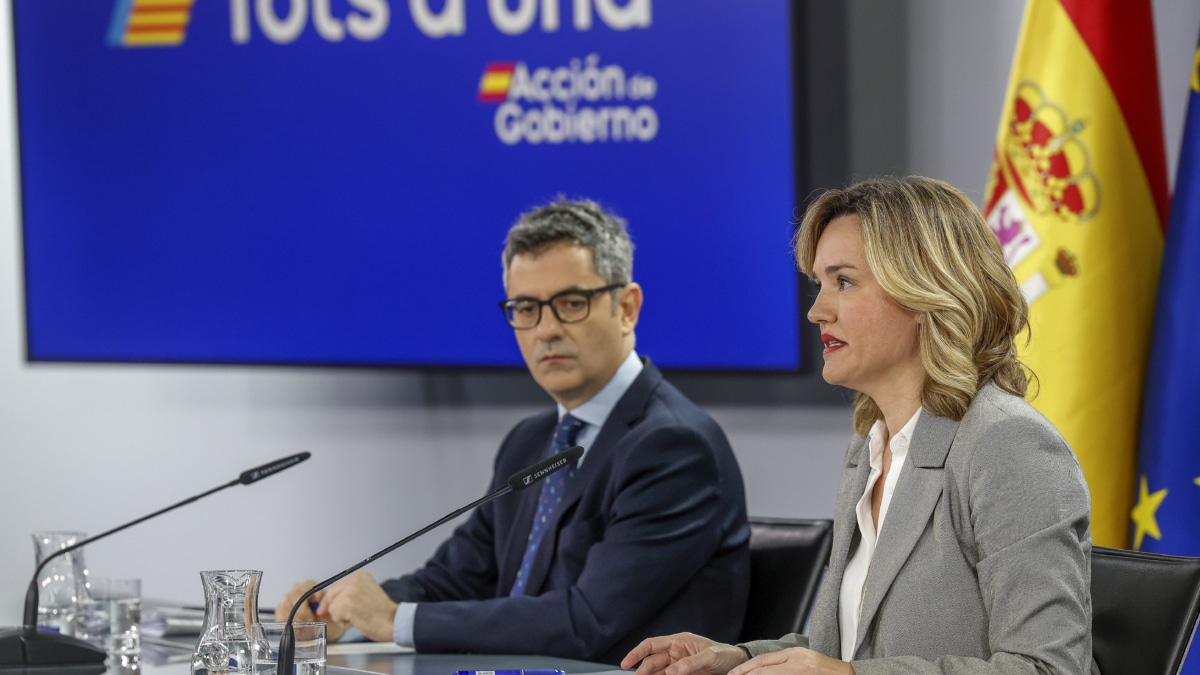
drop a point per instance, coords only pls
(110, 615)
(310, 648)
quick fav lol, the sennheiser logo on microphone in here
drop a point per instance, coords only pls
(275, 469)
(550, 469)
(267, 470)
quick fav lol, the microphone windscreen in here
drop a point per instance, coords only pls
(526, 477)
(271, 468)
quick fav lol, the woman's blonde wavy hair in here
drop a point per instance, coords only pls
(932, 252)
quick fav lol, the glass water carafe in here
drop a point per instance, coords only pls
(61, 581)
(230, 608)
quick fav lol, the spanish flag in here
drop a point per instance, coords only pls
(1078, 198)
(494, 84)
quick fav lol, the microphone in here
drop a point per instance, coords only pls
(517, 482)
(528, 476)
(270, 468)
(28, 646)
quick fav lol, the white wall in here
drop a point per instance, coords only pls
(87, 447)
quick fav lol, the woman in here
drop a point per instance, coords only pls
(978, 506)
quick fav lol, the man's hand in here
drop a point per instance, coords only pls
(333, 630)
(359, 601)
(684, 654)
(795, 661)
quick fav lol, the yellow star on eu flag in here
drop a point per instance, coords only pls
(1143, 514)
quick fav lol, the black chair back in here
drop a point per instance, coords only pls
(787, 558)
(1144, 609)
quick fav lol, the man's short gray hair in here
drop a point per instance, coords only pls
(581, 222)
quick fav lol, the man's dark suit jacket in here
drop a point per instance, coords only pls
(650, 539)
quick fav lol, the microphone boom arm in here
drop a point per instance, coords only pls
(359, 565)
(247, 477)
(31, 596)
(27, 646)
(518, 481)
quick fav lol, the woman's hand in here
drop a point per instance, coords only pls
(683, 654)
(795, 661)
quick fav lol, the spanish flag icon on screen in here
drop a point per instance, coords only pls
(494, 84)
(149, 23)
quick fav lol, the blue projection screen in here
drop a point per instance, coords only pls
(330, 181)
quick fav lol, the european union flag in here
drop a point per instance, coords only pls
(1167, 505)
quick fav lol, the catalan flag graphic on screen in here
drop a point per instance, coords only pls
(493, 86)
(1077, 196)
(149, 23)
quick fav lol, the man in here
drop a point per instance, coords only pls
(646, 535)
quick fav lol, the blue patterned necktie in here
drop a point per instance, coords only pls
(552, 494)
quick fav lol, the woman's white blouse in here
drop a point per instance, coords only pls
(855, 577)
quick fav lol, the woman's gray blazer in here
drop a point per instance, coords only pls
(984, 562)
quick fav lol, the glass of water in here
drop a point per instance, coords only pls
(110, 615)
(310, 648)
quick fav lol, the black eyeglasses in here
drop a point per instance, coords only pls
(570, 306)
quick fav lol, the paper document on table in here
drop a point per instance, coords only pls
(167, 621)
(367, 648)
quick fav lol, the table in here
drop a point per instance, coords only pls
(177, 661)
(446, 664)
